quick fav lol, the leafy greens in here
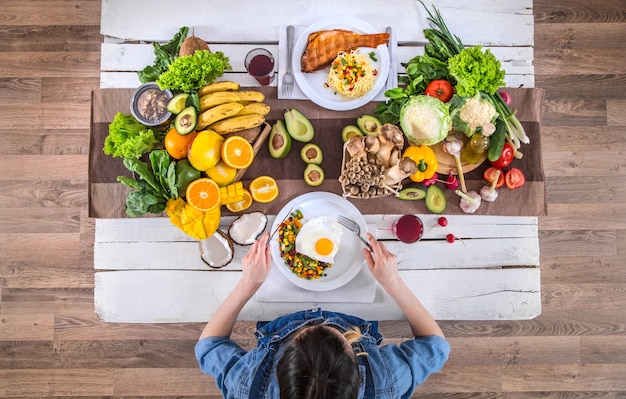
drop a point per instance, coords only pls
(164, 55)
(191, 72)
(155, 186)
(128, 138)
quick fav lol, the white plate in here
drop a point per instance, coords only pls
(312, 84)
(349, 258)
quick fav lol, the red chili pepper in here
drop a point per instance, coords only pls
(441, 89)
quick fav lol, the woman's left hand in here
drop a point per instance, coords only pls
(257, 262)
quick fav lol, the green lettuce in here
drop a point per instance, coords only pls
(128, 138)
(476, 70)
(191, 72)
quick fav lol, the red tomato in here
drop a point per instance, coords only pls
(505, 157)
(490, 173)
(514, 178)
(441, 89)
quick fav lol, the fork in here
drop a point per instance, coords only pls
(288, 78)
(353, 227)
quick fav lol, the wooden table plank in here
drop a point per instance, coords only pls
(169, 296)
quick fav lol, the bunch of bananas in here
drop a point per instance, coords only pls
(224, 109)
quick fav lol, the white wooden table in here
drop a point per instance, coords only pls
(149, 271)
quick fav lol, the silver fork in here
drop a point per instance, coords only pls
(288, 78)
(354, 228)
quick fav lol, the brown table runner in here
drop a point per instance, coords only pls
(107, 197)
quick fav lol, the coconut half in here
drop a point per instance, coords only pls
(247, 227)
(217, 250)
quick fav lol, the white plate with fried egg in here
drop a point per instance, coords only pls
(320, 210)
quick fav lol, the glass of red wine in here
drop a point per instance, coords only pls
(408, 228)
(259, 63)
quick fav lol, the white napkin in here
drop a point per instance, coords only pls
(297, 94)
(276, 288)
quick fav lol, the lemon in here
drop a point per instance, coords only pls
(222, 174)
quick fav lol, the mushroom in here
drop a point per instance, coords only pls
(372, 144)
(247, 227)
(356, 148)
(217, 250)
(390, 138)
(400, 171)
(453, 146)
(470, 201)
(489, 193)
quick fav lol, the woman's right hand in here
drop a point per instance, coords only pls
(257, 263)
(382, 264)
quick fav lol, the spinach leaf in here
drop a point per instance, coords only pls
(164, 54)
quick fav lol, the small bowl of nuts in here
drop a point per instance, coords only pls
(149, 104)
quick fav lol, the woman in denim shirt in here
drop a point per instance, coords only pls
(320, 354)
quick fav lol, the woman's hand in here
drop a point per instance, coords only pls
(257, 262)
(382, 264)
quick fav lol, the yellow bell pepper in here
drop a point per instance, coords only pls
(425, 159)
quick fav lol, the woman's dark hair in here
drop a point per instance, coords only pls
(318, 363)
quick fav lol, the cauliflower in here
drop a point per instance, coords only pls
(473, 115)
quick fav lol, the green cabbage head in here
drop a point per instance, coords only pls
(425, 120)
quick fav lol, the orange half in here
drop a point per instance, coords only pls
(263, 189)
(241, 205)
(237, 152)
(203, 194)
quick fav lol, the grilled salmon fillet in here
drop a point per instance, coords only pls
(323, 46)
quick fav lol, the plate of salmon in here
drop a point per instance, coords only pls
(318, 52)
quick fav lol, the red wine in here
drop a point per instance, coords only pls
(261, 67)
(408, 228)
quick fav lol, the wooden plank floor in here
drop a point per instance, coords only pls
(52, 345)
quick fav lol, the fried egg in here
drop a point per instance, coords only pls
(320, 238)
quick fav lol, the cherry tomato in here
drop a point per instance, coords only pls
(490, 173)
(505, 157)
(514, 178)
(441, 89)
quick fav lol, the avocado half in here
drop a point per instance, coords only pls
(349, 131)
(435, 199)
(298, 126)
(311, 153)
(313, 175)
(369, 125)
(186, 120)
(279, 141)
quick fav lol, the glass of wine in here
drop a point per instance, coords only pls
(408, 228)
(259, 63)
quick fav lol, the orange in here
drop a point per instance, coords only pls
(176, 144)
(263, 189)
(203, 194)
(241, 205)
(237, 152)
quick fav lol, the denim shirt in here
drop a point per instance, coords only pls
(388, 371)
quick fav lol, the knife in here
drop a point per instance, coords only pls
(390, 79)
(277, 227)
